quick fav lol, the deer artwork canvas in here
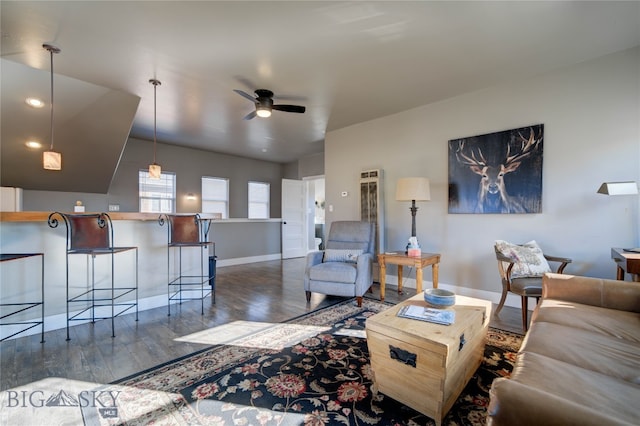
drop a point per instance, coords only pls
(497, 173)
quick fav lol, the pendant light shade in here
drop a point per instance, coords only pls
(51, 160)
(155, 171)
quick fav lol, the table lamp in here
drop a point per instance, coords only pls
(413, 189)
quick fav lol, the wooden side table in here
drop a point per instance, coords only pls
(401, 259)
(628, 262)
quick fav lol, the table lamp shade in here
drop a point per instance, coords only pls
(413, 188)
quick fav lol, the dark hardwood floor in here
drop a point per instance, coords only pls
(266, 292)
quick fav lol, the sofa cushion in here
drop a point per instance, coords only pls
(334, 272)
(342, 255)
(590, 350)
(612, 322)
(528, 259)
(615, 398)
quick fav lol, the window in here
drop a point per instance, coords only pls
(157, 195)
(259, 200)
(215, 196)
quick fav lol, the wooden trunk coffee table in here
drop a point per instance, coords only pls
(425, 365)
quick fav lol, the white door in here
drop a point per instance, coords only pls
(294, 216)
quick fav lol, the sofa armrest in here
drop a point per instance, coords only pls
(364, 278)
(514, 403)
(612, 294)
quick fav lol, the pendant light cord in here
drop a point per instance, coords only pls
(51, 55)
(155, 88)
(155, 83)
(52, 49)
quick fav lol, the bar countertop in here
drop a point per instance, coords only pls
(43, 216)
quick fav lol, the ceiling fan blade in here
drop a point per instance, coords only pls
(290, 108)
(245, 95)
(250, 115)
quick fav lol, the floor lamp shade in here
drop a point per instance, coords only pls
(618, 188)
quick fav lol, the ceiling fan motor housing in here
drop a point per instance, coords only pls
(265, 98)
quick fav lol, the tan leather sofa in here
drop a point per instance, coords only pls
(579, 363)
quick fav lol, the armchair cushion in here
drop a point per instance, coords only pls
(334, 272)
(342, 255)
(528, 259)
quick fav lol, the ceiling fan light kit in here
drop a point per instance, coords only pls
(263, 101)
(263, 111)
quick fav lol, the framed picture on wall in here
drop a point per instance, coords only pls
(497, 173)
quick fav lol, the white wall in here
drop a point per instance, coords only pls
(591, 114)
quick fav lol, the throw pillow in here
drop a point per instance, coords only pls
(528, 258)
(343, 255)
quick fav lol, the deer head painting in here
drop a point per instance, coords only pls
(497, 173)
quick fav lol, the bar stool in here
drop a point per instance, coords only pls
(186, 232)
(91, 234)
(17, 307)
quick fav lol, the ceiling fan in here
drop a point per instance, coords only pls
(264, 104)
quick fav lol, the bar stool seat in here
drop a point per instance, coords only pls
(186, 232)
(91, 234)
(16, 307)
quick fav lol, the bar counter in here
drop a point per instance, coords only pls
(43, 216)
(237, 241)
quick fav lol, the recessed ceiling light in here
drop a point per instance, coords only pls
(264, 149)
(33, 144)
(34, 102)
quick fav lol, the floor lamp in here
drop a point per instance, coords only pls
(413, 189)
(620, 188)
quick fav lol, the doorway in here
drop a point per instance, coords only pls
(316, 212)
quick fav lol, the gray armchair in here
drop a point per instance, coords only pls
(345, 267)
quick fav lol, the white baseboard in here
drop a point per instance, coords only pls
(512, 300)
(58, 321)
(251, 259)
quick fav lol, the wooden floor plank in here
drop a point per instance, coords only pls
(265, 291)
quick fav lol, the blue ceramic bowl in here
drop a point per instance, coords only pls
(439, 298)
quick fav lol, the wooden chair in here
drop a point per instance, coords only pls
(525, 287)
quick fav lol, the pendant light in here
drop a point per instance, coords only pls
(51, 160)
(154, 168)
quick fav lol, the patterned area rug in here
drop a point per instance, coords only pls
(313, 370)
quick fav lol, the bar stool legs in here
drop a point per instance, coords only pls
(186, 232)
(92, 235)
(16, 308)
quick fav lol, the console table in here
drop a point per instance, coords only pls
(401, 259)
(628, 262)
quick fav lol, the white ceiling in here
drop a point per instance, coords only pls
(347, 62)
